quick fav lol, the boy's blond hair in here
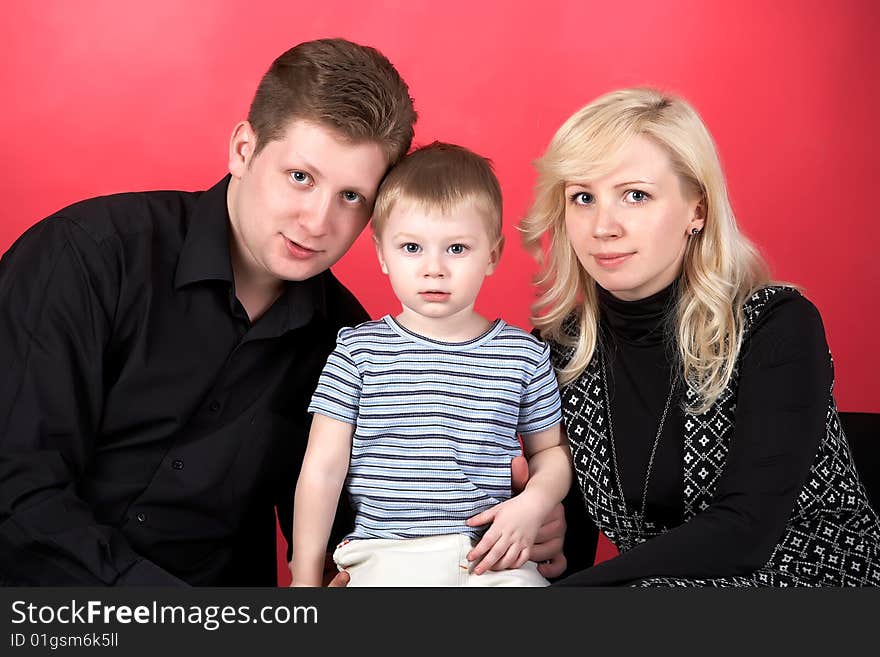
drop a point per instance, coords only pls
(440, 177)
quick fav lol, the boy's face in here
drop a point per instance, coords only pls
(436, 262)
(299, 204)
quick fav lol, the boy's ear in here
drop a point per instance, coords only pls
(379, 254)
(241, 148)
(495, 255)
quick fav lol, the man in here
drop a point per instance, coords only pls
(160, 348)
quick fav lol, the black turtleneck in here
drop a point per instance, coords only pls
(785, 378)
(638, 342)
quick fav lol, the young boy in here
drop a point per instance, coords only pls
(419, 414)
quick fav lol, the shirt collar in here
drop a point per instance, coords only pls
(205, 252)
(205, 257)
(299, 304)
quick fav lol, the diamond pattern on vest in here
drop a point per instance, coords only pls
(833, 535)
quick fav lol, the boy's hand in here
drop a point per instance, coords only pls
(508, 541)
(547, 550)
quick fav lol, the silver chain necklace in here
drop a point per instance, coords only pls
(640, 517)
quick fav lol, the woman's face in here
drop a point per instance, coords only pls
(629, 228)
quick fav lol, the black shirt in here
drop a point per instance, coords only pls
(785, 378)
(147, 428)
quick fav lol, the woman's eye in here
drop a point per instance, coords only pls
(351, 197)
(411, 247)
(300, 177)
(582, 198)
(457, 249)
(636, 196)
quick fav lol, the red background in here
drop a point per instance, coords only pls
(104, 96)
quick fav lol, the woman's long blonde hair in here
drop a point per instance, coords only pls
(721, 267)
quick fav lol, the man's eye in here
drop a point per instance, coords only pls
(582, 198)
(300, 177)
(636, 196)
(411, 247)
(351, 197)
(457, 249)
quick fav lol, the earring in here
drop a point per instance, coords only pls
(695, 231)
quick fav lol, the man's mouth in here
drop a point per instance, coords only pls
(298, 250)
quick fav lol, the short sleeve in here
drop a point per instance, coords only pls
(540, 407)
(339, 388)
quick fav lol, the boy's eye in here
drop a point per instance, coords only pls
(457, 249)
(300, 177)
(582, 198)
(351, 197)
(636, 196)
(411, 247)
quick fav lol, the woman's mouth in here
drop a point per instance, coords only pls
(611, 260)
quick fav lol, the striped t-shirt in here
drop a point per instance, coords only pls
(436, 423)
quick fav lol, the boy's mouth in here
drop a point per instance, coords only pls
(434, 295)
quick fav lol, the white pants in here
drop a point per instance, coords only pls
(430, 561)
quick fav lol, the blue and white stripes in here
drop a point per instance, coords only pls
(436, 423)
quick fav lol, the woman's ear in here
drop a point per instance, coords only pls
(698, 217)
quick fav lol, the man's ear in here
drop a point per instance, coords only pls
(379, 254)
(495, 255)
(242, 144)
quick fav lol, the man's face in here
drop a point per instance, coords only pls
(299, 204)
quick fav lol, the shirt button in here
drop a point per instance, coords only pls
(214, 406)
(141, 517)
(177, 464)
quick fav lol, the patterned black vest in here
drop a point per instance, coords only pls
(832, 537)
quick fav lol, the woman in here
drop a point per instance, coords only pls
(696, 395)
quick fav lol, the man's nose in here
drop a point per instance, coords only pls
(317, 213)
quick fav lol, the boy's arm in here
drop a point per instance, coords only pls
(507, 543)
(323, 472)
(547, 551)
(549, 463)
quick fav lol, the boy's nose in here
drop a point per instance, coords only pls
(433, 267)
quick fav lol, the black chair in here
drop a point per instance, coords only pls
(863, 434)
